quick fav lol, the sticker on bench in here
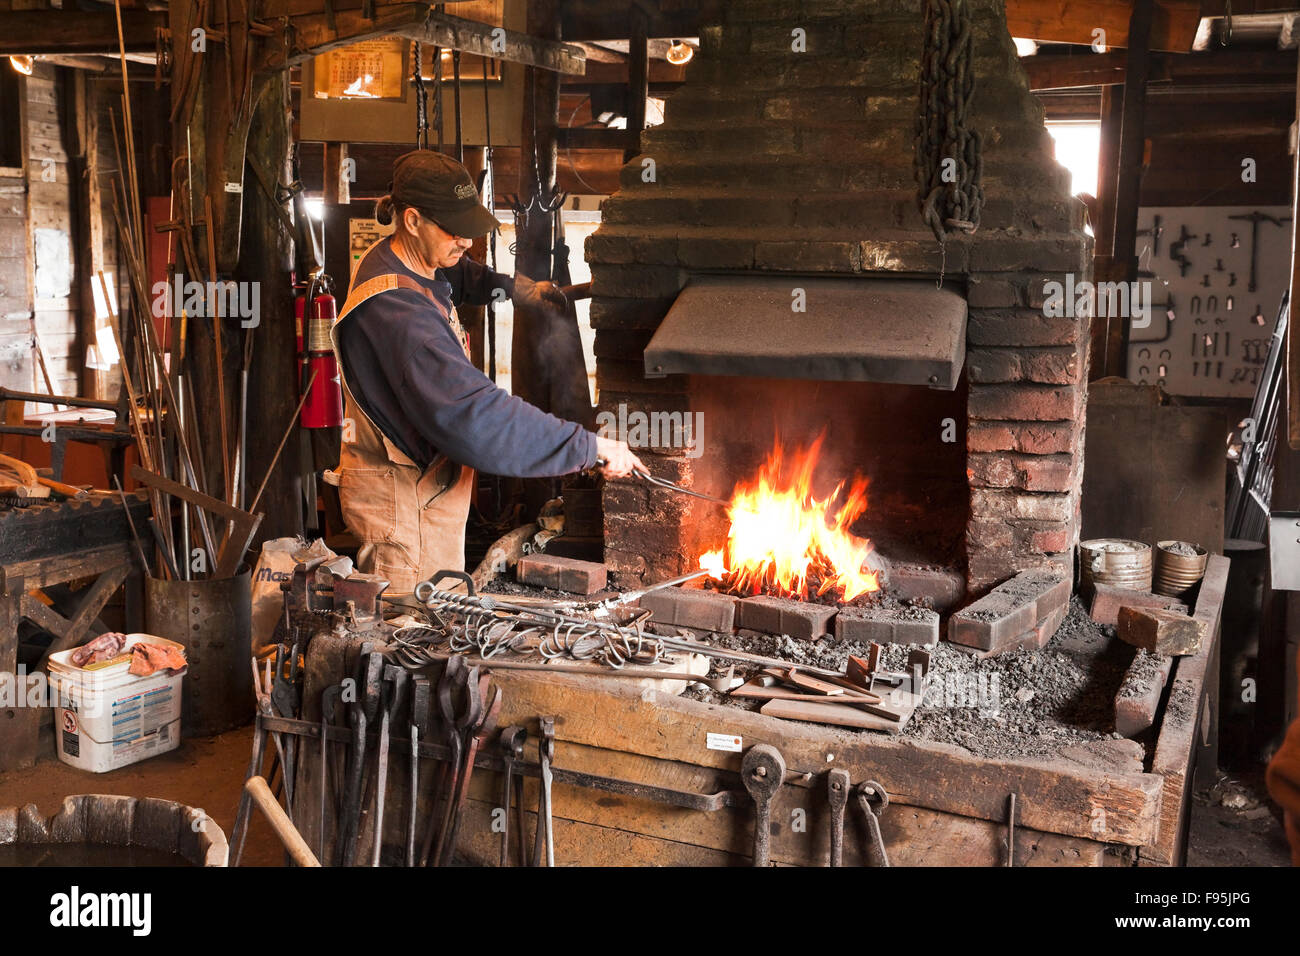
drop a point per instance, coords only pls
(723, 742)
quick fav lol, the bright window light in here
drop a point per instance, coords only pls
(1078, 149)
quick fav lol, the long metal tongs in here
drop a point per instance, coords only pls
(671, 486)
(666, 484)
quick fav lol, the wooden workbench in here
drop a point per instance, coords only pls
(1107, 802)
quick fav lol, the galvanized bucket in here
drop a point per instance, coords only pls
(1176, 574)
(1119, 562)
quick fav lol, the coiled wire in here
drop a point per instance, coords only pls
(488, 627)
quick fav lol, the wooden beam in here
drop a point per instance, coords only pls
(468, 36)
(661, 72)
(1172, 27)
(277, 9)
(313, 35)
(1128, 185)
(592, 137)
(416, 21)
(601, 20)
(1055, 71)
(40, 32)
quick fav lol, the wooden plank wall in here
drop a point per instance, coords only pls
(46, 194)
(15, 291)
(49, 202)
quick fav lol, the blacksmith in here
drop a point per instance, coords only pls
(419, 418)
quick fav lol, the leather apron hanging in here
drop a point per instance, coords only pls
(411, 521)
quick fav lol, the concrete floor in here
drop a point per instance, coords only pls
(208, 772)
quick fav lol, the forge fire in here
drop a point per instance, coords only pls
(785, 541)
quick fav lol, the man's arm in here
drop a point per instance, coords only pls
(472, 421)
(473, 283)
(476, 282)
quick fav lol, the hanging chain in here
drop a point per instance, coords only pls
(947, 157)
(421, 109)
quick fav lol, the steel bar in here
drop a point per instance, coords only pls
(279, 448)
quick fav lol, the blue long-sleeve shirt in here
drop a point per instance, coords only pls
(408, 372)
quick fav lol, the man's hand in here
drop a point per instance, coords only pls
(619, 462)
(544, 296)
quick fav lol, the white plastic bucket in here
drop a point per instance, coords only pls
(106, 718)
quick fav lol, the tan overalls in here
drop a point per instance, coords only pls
(411, 522)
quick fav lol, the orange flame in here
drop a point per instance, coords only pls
(781, 535)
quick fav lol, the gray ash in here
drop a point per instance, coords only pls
(1025, 703)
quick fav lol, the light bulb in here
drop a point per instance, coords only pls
(679, 53)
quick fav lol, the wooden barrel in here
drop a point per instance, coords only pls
(104, 829)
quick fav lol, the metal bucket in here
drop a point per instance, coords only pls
(1119, 562)
(213, 619)
(104, 830)
(1176, 574)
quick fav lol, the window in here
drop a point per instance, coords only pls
(1078, 149)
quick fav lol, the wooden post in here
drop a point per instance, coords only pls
(87, 211)
(529, 376)
(1292, 337)
(638, 81)
(338, 191)
(472, 316)
(538, 139)
(1103, 259)
(267, 258)
(1128, 185)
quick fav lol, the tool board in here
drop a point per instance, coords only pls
(1217, 340)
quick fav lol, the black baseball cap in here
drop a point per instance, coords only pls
(442, 190)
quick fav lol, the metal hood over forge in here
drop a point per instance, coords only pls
(905, 332)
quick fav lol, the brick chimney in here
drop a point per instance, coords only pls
(775, 161)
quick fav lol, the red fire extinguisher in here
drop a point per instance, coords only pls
(324, 405)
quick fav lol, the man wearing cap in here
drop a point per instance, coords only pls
(418, 416)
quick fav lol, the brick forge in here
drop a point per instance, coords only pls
(775, 161)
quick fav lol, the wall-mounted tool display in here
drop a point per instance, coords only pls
(1202, 259)
(1255, 217)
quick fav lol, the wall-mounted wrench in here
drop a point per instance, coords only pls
(392, 697)
(511, 748)
(545, 835)
(871, 792)
(421, 721)
(763, 772)
(837, 794)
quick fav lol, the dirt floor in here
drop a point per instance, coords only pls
(1233, 825)
(1236, 824)
(205, 772)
